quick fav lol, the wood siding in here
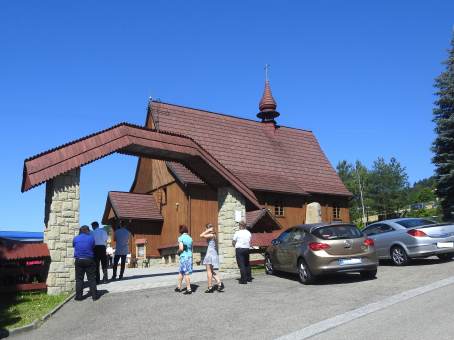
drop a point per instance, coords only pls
(204, 209)
(150, 231)
(295, 207)
(174, 210)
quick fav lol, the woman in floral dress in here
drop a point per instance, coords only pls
(211, 259)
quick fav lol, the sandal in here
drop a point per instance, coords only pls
(221, 287)
(187, 292)
(210, 290)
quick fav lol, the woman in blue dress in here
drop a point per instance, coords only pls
(211, 259)
(185, 252)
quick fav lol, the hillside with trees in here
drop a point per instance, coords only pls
(384, 191)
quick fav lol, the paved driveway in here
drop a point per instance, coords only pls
(268, 308)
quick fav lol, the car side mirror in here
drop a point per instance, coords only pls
(275, 242)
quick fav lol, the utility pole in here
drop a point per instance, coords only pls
(360, 192)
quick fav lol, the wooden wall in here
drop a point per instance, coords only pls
(204, 209)
(295, 207)
(151, 231)
(174, 210)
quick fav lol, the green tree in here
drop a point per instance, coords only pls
(387, 187)
(422, 191)
(443, 146)
(352, 176)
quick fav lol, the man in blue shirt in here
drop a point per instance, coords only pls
(84, 245)
(121, 249)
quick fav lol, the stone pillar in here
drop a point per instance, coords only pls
(313, 213)
(229, 201)
(61, 218)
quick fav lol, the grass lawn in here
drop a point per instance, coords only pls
(20, 309)
(258, 269)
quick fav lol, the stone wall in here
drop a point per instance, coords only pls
(61, 219)
(229, 201)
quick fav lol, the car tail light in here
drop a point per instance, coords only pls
(318, 246)
(416, 233)
(368, 242)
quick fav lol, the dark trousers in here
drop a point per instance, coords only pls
(122, 268)
(85, 266)
(109, 261)
(101, 256)
(242, 259)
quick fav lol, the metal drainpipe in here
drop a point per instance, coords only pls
(189, 213)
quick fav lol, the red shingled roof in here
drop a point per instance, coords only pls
(133, 206)
(260, 155)
(183, 174)
(14, 250)
(132, 140)
(263, 239)
(254, 216)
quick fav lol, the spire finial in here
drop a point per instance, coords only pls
(267, 105)
(267, 69)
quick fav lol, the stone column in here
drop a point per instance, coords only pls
(229, 201)
(61, 218)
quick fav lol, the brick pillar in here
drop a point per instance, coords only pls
(61, 218)
(229, 201)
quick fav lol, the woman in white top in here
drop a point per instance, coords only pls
(211, 259)
(242, 242)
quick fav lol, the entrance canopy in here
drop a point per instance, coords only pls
(137, 141)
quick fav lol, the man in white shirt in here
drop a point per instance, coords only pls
(121, 249)
(242, 242)
(100, 236)
(110, 254)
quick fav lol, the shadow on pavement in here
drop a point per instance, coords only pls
(343, 278)
(101, 292)
(414, 262)
(141, 276)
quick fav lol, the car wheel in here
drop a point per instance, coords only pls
(399, 256)
(445, 257)
(269, 269)
(304, 273)
(369, 274)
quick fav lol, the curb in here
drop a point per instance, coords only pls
(38, 322)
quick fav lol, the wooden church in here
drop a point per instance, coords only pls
(284, 166)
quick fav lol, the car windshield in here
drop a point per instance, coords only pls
(338, 232)
(414, 223)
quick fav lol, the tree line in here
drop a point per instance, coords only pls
(384, 190)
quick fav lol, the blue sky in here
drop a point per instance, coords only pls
(358, 73)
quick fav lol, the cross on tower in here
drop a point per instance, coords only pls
(267, 68)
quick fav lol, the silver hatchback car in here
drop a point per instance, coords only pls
(402, 239)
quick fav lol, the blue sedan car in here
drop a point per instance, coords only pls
(402, 239)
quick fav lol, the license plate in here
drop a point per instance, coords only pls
(445, 244)
(343, 262)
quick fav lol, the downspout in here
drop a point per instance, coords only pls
(189, 212)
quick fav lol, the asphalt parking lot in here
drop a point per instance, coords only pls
(270, 307)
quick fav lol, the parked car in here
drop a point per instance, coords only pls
(402, 239)
(311, 250)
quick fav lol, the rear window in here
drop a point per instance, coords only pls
(338, 232)
(414, 223)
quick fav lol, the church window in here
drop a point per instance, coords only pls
(141, 250)
(279, 208)
(336, 213)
